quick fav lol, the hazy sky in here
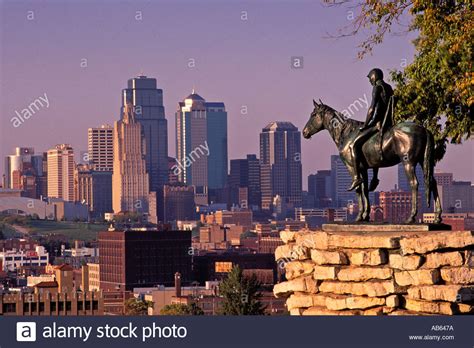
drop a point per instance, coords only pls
(241, 53)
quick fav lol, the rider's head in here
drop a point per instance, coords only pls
(375, 75)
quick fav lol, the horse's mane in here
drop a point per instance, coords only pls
(348, 125)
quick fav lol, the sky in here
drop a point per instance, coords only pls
(79, 55)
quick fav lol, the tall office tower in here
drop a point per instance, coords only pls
(217, 140)
(458, 197)
(201, 142)
(100, 147)
(147, 103)
(130, 186)
(245, 174)
(404, 185)
(341, 180)
(280, 159)
(24, 171)
(61, 172)
(94, 187)
(319, 186)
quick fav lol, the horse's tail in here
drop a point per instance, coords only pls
(428, 166)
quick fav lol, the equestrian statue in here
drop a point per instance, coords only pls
(378, 143)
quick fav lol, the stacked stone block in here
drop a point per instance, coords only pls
(377, 273)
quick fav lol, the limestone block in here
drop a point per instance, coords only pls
(321, 310)
(313, 240)
(419, 277)
(298, 268)
(325, 272)
(392, 301)
(435, 260)
(465, 308)
(458, 275)
(311, 285)
(292, 252)
(283, 289)
(321, 257)
(469, 258)
(372, 257)
(287, 236)
(363, 241)
(449, 293)
(364, 273)
(296, 311)
(305, 301)
(369, 288)
(445, 308)
(405, 312)
(430, 241)
(406, 263)
(353, 302)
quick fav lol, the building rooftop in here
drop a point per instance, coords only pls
(280, 125)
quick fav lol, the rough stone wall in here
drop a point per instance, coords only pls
(377, 273)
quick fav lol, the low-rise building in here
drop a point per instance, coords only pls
(13, 259)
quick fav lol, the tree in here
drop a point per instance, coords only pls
(182, 309)
(438, 86)
(240, 294)
(135, 306)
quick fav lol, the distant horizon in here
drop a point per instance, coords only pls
(73, 55)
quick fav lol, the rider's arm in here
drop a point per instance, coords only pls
(375, 99)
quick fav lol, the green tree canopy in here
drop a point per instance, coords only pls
(438, 85)
(182, 309)
(240, 294)
(135, 306)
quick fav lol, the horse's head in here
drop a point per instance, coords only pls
(315, 122)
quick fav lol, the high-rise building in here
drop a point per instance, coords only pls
(244, 180)
(146, 101)
(25, 171)
(201, 142)
(319, 186)
(94, 187)
(280, 159)
(458, 197)
(100, 147)
(143, 258)
(178, 203)
(61, 172)
(130, 187)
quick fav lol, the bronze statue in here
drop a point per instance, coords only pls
(377, 116)
(405, 142)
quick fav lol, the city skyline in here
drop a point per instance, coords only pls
(254, 96)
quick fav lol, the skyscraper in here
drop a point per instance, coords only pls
(280, 158)
(25, 171)
(319, 186)
(147, 105)
(201, 142)
(94, 187)
(130, 186)
(61, 172)
(245, 174)
(100, 147)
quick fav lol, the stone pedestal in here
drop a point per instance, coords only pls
(356, 270)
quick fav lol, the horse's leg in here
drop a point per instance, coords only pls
(437, 202)
(411, 175)
(365, 195)
(361, 206)
(375, 180)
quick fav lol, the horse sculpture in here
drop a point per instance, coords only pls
(405, 142)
